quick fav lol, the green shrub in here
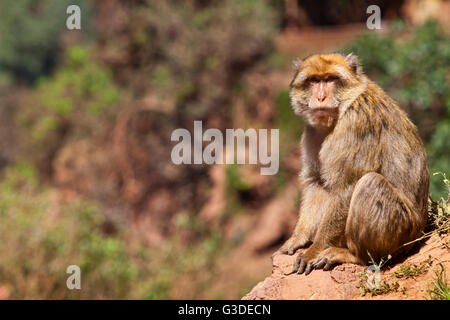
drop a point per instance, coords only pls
(196, 49)
(80, 91)
(441, 288)
(78, 101)
(40, 240)
(42, 236)
(30, 32)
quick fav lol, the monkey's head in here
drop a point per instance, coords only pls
(324, 85)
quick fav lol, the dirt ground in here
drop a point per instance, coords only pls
(346, 281)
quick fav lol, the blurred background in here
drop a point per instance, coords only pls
(86, 117)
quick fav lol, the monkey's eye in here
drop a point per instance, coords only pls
(331, 78)
(313, 80)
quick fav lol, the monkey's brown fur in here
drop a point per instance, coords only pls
(364, 173)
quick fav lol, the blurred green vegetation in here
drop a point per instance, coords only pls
(189, 56)
(30, 33)
(77, 101)
(40, 239)
(414, 69)
(195, 52)
(78, 81)
(186, 54)
(291, 128)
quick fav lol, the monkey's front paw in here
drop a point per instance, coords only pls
(291, 245)
(304, 261)
(317, 259)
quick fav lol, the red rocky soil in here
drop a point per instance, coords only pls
(344, 281)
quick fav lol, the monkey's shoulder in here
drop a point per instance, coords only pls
(371, 144)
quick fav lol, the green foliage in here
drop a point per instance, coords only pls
(234, 179)
(41, 238)
(412, 270)
(40, 241)
(76, 102)
(291, 127)
(30, 32)
(236, 187)
(197, 51)
(414, 70)
(439, 211)
(439, 155)
(284, 111)
(81, 85)
(441, 289)
(289, 124)
(277, 60)
(188, 55)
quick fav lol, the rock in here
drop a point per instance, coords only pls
(340, 283)
(343, 282)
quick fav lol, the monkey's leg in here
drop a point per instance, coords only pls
(380, 219)
(314, 202)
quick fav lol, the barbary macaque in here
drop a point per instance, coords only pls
(364, 176)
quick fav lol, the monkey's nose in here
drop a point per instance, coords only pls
(321, 98)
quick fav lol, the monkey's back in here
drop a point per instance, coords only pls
(375, 135)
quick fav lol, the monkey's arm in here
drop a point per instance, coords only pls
(330, 231)
(315, 200)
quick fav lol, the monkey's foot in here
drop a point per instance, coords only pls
(325, 259)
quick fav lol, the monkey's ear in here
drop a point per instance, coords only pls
(354, 63)
(296, 64)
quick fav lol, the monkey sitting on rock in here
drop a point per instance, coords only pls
(364, 176)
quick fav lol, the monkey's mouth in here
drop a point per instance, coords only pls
(323, 108)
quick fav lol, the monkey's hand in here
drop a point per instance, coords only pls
(292, 244)
(311, 259)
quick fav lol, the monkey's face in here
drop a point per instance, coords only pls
(321, 84)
